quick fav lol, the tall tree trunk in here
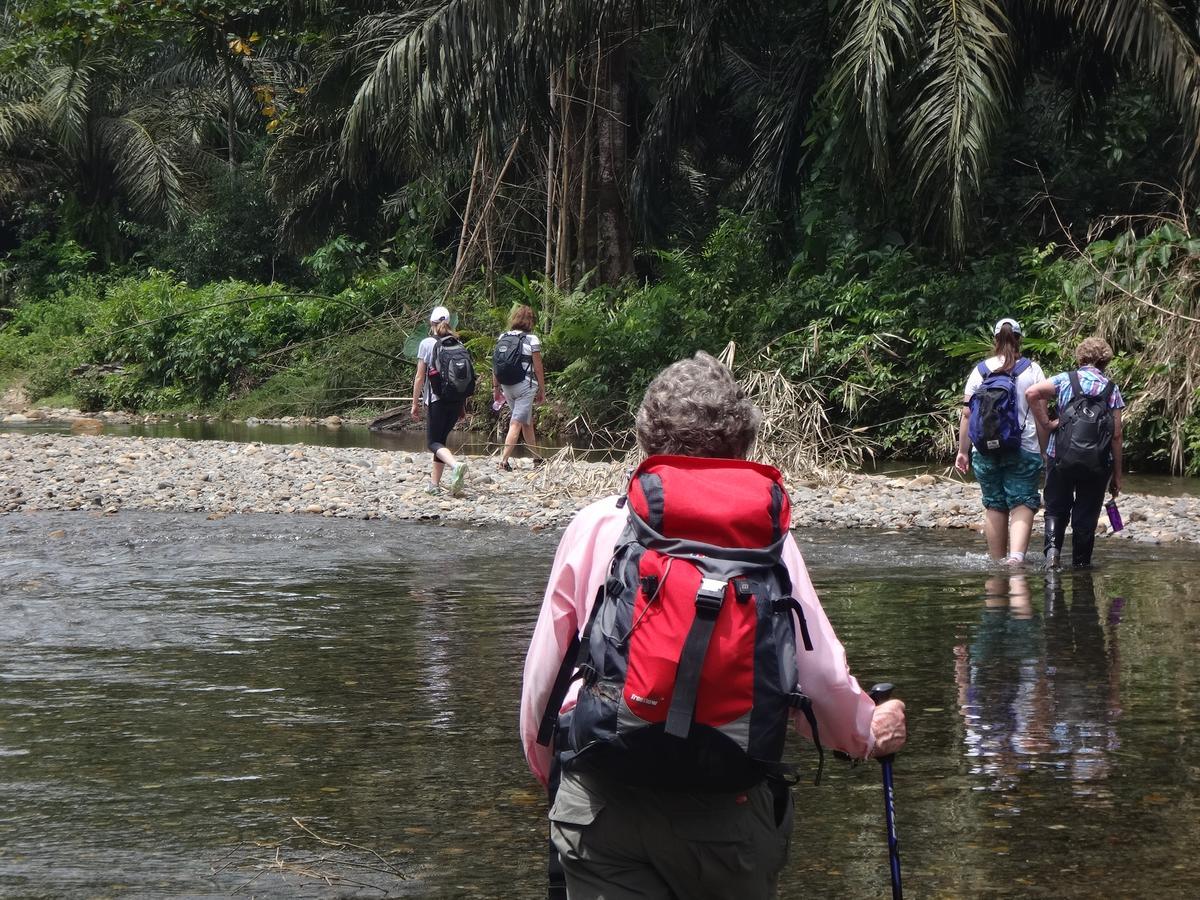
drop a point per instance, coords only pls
(230, 114)
(615, 249)
(585, 234)
(551, 182)
(562, 262)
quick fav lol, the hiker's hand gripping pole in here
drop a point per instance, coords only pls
(881, 693)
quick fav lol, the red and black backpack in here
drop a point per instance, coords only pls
(688, 659)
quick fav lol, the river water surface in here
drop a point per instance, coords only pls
(176, 693)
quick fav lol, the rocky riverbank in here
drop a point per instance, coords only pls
(108, 474)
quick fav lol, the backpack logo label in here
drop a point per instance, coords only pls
(645, 701)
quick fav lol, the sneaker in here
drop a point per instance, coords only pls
(432, 489)
(456, 479)
(506, 466)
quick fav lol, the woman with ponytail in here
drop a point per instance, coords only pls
(1007, 454)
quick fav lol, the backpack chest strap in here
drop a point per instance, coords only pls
(709, 600)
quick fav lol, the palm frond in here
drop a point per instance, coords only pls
(962, 94)
(1147, 34)
(779, 128)
(19, 120)
(144, 166)
(693, 75)
(880, 38)
(67, 105)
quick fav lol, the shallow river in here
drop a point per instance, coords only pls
(175, 692)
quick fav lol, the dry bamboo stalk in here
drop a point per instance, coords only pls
(456, 277)
(475, 169)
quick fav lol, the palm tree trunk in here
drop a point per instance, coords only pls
(615, 243)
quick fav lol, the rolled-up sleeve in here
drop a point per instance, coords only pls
(842, 708)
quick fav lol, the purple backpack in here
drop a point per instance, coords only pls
(994, 425)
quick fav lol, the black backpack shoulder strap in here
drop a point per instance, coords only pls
(1076, 387)
(1107, 393)
(709, 599)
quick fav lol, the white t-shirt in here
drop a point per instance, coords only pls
(1027, 379)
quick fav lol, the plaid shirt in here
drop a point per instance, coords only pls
(1093, 384)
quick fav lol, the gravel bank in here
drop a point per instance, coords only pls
(108, 474)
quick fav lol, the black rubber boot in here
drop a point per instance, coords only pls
(1056, 530)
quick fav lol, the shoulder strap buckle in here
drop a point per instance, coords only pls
(711, 596)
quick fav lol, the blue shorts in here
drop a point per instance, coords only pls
(1008, 480)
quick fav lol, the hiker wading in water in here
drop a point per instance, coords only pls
(998, 440)
(1084, 448)
(667, 781)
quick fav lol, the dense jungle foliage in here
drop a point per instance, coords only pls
(251, 207)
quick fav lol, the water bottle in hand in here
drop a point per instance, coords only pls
(1114, 515)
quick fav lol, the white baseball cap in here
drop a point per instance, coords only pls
(439, 314)
(1016, 326)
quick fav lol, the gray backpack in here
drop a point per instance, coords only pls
(508, 359)
(451, 373)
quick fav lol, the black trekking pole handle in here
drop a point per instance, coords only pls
(880, 693)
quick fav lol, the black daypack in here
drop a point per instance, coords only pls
(1083, 441)
(508, 359)
(451, 373)
(994, 425)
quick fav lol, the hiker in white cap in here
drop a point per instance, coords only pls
(445, 379)
(998, 439)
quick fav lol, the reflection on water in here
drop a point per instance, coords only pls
(173, 692)
(1040, 688)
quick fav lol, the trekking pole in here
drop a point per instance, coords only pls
(880, 693)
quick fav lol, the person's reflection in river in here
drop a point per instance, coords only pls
(1083, 678)
(1039, 690)
(1001, 690)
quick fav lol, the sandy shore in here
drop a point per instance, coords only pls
(108, 474)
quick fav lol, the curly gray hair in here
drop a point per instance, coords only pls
(695, 408)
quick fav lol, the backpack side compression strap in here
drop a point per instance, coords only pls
(574, 657)
(709, 600)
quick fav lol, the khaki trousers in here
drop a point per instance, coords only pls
(619, 842)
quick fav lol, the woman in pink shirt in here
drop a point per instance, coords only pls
(621, 841)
